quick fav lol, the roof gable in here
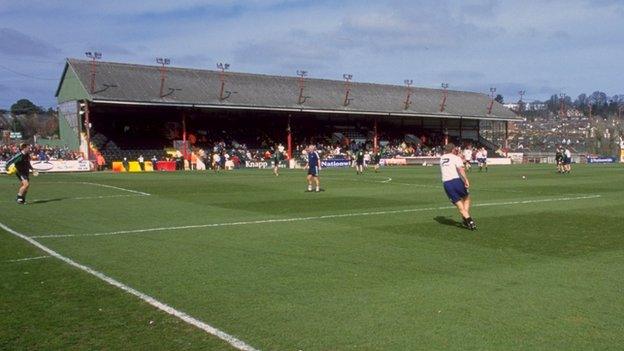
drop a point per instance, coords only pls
(71, 87)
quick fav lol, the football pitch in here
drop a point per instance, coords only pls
(247, 260)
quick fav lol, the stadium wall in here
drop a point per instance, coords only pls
(68, 94)
(69, 134)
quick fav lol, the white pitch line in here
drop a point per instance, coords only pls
(389, 180)
(298, 219)
(27, 259)
(103, 196)
(230, 339)
(101, 185)
(116, 187)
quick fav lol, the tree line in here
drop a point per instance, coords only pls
(30, 120)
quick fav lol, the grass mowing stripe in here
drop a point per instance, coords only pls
(298, 219)
(37, 201)
(436, 187)
(232, 340)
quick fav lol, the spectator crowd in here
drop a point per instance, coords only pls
(40, 152)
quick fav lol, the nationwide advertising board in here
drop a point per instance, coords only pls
(598, 159)
(335, 162)
(56, 166)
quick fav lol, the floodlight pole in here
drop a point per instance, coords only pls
(444, 96)
(562, 111)
(93, 56)
(222, 67)
(492, 95)
(302, 74)
(347, 78)
(408, 84)
(521, 102)
(163, 70)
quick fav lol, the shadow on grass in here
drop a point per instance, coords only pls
(448, 221)
(44, 201)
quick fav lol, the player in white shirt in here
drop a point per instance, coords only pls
(467, 156)
(482, 159)
(567, 160)
(456, 183)
(216, 162)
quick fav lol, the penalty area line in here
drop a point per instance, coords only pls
(230, 339)
(299, 219)
(27, 259)
(102, 186)
(116, 187)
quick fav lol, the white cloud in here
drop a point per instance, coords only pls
(471, 43)
(16, 43)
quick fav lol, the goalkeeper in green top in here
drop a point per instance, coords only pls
(20, 163)
(376, 158)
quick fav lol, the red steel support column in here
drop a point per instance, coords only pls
(289, 140)
(184, 135)
(506, 137)
(375, 138)
(93, 75)
(87, 123)
(461, 135)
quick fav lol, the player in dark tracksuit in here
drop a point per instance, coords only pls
(359, 161)
(559, 159)
(21, 162)
(314, 168)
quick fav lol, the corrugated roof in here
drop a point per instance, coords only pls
(130, 83)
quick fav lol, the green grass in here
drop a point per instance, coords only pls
(545, 274)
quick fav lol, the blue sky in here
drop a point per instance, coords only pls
(544, 47)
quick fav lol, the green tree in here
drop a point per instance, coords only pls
(25, 107)
(499, 98)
